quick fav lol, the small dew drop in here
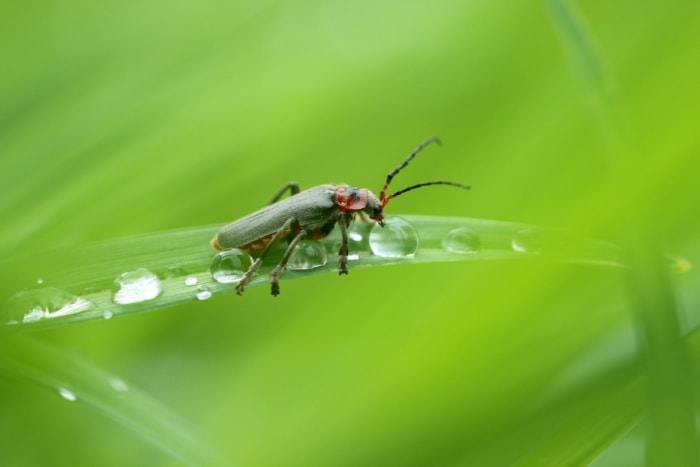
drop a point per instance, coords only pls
(308, 254)
(118, 385)
(230, 266)
(67, 395)
(203, 293)
(396, 239)
(107, 314)
(47, 302)
(462, 240)
(355, 236)
(39, 280)
(526, 241)
(191, 280)
(136, 286)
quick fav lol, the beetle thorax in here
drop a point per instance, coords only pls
(350, 198)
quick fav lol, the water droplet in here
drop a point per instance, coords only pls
(136, 286)
(48, 302)
(67, 395)
(357, 240)
(462, 240)
(39, 280)
(230, 265)
(396, 239)
(107, 314)
(354, 236)
(191, 280)
(118, 385)
(308, 254)
(526, 241)
(203, 293)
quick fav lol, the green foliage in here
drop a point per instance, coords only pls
(130, 132)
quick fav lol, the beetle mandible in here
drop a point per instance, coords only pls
(311, 213)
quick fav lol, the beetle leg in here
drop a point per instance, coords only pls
(293, 188)
(344, 222)
(289, 225)
(275, 274)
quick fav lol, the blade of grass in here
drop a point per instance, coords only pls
(77, 284)
(589, 66)
(76, 380)
(580, 425)
(672, 439)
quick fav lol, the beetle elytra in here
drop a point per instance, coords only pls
(311, 213)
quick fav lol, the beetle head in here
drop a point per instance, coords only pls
(353, 199)
(374, 208)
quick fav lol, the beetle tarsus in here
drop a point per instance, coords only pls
(277, 272)
(344, 221)
(274, 280)
(240, 287)
(343, 260)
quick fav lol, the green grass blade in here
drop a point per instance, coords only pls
(77, 284)
(78, 381)
(588, 65)
(672, 439)
(586, 420)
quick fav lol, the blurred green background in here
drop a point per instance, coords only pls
(118, 119)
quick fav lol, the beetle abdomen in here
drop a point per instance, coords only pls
(260, 243)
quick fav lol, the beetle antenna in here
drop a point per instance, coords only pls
(404, 164)
(420, 185)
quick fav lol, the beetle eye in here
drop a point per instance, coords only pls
(377, 215)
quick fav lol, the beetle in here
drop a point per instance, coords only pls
(312, 213)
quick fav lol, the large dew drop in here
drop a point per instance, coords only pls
(48, 302)
(396, 239)
(230, 266)
(308, 254)
(136, 286)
